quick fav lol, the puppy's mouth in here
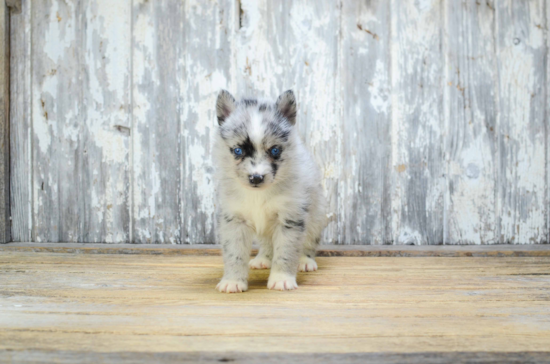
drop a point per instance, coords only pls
(259, 186)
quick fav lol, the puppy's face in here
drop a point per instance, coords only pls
(257, 136)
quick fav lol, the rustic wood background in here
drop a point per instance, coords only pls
(429, 118)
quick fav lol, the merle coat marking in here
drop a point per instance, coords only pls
(269, 191)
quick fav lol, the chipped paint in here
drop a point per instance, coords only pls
(471, 144)
(417, 197)
(426, 117)
(522, 132)
(379, 90)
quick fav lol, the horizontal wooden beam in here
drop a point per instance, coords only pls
(324, 251)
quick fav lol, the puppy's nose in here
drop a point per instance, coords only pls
(255, 179)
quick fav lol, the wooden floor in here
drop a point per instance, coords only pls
(67, 307)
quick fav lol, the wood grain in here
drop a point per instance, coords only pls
(260, 62)
(521, 52)
(21, 125)
(106, 104)
(80, 91)
(365, 211)
(156, 96)
(208, 58)
(547, 116)
(427, 118)
(470, 128)
(5, 219)
(314, 73)
(56, 121)
(158, 304)
(493, 250)
(418, 168)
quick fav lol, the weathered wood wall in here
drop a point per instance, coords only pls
(5, 228)
(429, 118)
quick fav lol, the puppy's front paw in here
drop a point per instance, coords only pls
(307, 264)
(281, 282)
(231, 286)
(260, 262)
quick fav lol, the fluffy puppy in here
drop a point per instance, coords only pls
(269, 191)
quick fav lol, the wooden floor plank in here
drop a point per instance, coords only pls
(117, 305)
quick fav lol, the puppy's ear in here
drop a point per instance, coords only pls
(225, 105)
(286, 105)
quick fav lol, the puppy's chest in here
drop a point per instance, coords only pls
(259, 213)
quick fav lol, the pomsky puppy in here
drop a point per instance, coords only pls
(269, 191)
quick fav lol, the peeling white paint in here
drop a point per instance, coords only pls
(60, 35)
(407, 236)
(446, 149)
(522, 132)
(416, 69)
(41, 126)
(380, 98)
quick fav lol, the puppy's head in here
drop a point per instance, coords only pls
(257, 136)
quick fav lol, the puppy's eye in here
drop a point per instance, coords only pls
(238, 151)
(275, 151)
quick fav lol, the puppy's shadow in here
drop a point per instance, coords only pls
(258, 278)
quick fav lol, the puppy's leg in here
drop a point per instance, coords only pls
(236, 239)
(288, 239)
(307, 260)
(265, 254)
(316, 223)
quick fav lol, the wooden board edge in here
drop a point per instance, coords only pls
(540, 250)
(277, 357)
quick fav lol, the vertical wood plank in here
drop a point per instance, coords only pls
(294, 44)
(365, 211)
(312, 68)
(158, 38)
(521, 53)
(5, 223)
(470, 115)
(20, 125)
(417, 155)
(260, 52)
(547, 118)
(80, 96)
(57, 120)
(104, 146)
(14, 6)
(209, 27)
